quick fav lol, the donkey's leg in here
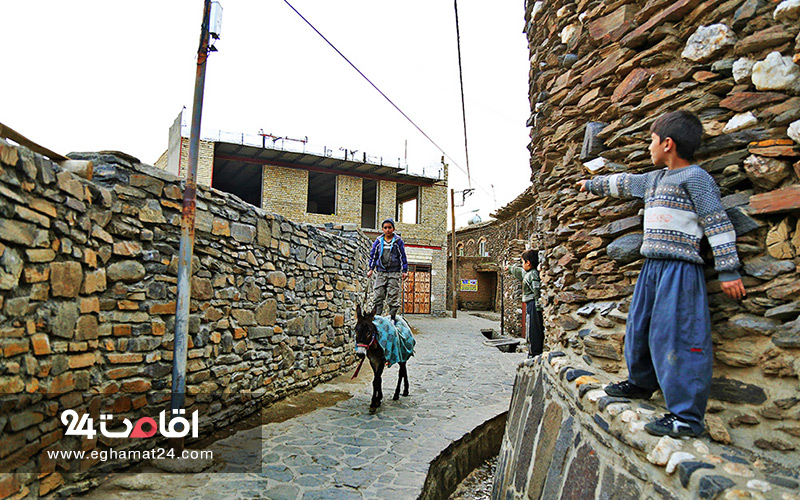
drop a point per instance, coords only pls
(399, 379)
(404, 371)
(377, 393)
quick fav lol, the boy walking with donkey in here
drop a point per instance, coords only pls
(668, 332)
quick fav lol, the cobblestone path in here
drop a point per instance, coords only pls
(343, 452)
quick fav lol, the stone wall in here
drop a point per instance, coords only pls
(565, 439)
(601, 72)
(87, 299)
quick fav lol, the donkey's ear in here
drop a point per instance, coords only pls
(358, 311)
(374, 310)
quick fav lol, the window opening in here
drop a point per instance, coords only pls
(408, 206)
(369, 203)
(482, 249)
(239, 179)
(321, 193)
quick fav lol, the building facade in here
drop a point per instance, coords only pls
(327, 190)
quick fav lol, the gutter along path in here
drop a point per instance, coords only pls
(342, 451)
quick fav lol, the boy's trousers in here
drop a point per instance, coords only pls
(387, 288)
(668, 337)
(534, 329)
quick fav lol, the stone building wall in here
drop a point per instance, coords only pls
(601, 72)
(623, 64)
(284, 191)
(88, 274)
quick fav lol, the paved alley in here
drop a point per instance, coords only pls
(342, 451)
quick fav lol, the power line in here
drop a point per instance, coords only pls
(461, 81)
(387, 98)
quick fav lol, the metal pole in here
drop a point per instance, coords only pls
(502, 303)
(453, 245)
(187, 226)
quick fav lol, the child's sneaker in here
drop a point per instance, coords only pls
(626, 389)
(670, 425)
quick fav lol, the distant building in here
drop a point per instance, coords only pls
(327, 188)
(483, 249)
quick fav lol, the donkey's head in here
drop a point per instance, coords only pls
(365, 331)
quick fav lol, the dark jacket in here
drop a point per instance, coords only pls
(398, 260)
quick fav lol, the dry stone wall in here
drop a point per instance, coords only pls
(88, 274)
(601, 72)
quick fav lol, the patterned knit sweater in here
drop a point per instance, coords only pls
(680, 206)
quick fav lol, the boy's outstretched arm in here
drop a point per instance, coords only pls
(622, 185)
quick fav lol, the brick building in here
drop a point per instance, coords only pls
(332, 189)
(483, 249)
(477, 248)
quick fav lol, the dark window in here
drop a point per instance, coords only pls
(240, 179)
(321, 193)
(369, 203)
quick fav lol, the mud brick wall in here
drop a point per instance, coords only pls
(88, 273)
(601, 72)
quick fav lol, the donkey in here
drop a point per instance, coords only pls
(369, 344)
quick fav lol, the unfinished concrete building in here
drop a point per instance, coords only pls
(333, 188)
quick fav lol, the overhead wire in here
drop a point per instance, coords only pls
(461, 81)
(389, 100)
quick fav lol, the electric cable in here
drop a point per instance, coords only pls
(461, 81)
(387, 98)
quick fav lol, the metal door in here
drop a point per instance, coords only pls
(417, 290)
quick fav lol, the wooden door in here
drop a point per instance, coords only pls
(417, 290)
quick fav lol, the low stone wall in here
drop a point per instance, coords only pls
(459, 459)
(565, 439)
(87, 302)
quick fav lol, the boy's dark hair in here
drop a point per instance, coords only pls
(683, 127)
(531, 256)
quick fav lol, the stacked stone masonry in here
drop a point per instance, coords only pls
(601, 72)
(566, 439)
(88, 273)
(285, 192)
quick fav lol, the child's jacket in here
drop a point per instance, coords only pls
(680, 206)
(530, 283)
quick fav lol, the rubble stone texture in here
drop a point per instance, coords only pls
(708, 41)
(776, 72)
(742, 69)
(633, 65)
(88, 274)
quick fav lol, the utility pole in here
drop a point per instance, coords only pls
(180, 342)
(453, 249)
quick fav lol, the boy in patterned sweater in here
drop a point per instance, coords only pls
(668, 332)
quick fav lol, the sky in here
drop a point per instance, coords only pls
(99, 75)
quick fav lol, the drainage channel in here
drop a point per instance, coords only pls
(462, 457)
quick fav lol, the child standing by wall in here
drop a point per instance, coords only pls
(529, 276)
(668, 332)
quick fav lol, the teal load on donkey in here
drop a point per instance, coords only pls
(396, 340)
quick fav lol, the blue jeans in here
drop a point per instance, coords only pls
(668, 337)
